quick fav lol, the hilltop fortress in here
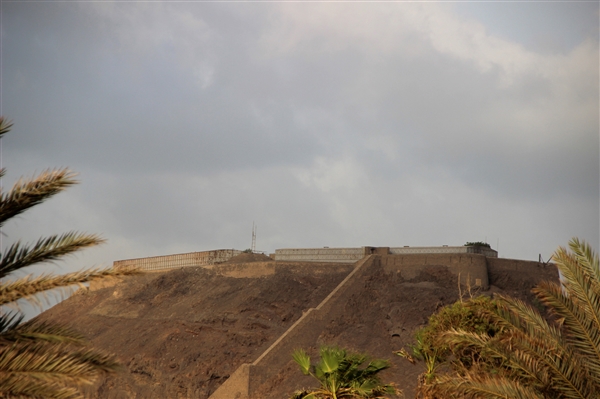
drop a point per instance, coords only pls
(472, 270)
(222, 324)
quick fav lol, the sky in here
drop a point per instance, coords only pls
(339, 124)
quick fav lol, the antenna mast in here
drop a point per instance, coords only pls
(253, 248)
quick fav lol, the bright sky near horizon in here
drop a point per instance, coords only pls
(335, 124)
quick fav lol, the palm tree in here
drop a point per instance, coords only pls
(37, 359)
(341, 376)
(532, 357)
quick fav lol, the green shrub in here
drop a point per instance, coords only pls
(467, 316)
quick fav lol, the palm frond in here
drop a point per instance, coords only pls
(10, 321)
(27, 287)
(35, 330)
(546, 345)
(27, 193)
(41, 360)
(480, 386)
(586, 256)
(54, 361)
(341, 376)
(581, 282)
(49, 249)
(581, 332)
(5, 125)
(21, 388)
(515, 314)
(565, 369)
(529, 356)
(303, 360)
(50, 366)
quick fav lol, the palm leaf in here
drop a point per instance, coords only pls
(40, 360)
(9, 322)
(580, 329)
(35, 330)
(21, 388)
(48, 249)
(27, 287)
(586, 257)
(303, 360)
(330, 359)
(5, 125)
(545, 344)
(27, 193)
(474, 385)
(581, 281)
(43, 368)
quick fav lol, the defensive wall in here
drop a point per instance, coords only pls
(344, 255)
(340, 255)
(336, 255)
(191, 259)
(473, 266)
(472, 269)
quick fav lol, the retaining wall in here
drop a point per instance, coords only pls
(341, 255)
(470, 268)
(513, 272)
(205, 258)
(445, 250)
(244, 382)
(345, 255)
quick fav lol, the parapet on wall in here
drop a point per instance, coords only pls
(205, 258)
(341, 255)
(346, 255)
(471, 269)
(336, 255)
(472, 249)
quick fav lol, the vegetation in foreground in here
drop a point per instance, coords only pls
(42, 360)
(340, 375)
(506, 349)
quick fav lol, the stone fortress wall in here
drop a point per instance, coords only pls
(345, 255)
(326, 254)
(472, 269)
(191, 259)
(473, 266)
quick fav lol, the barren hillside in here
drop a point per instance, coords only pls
(180, 334)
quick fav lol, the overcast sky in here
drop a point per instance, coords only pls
(335, 124)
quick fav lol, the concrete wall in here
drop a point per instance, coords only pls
(444, 250)
(470, 268)
(338, 255)
(205, 258)
(355, 254)
(507, 273)
(341, 255)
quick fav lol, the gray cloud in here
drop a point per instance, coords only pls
(326, 124)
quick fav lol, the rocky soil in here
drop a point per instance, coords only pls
(181, 333)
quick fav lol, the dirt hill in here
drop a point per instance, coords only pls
(182, 333)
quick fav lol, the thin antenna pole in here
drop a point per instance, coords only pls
(253, 247)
